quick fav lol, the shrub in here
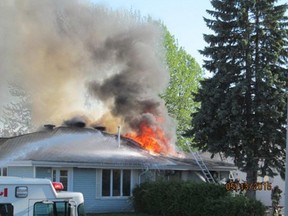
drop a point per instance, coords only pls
(189, 198)
(239, 205)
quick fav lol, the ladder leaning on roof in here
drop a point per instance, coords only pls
(207, 175)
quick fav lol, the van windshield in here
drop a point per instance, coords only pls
(6, 209)
(52, 209)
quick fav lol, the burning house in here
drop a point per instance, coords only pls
(100, 165)
(72, 58)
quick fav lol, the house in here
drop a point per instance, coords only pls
(264, 195)
(100, 165)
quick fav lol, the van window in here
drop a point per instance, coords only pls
(51, 209)
(6, 209)
(81, 211)
(43, 209)
(62, 208)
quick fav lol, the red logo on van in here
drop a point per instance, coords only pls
(4, 193)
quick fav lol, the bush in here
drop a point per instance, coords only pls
(239, 205)
(189, 198)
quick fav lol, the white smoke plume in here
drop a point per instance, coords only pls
(60, 50)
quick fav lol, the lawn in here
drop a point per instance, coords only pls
(119, 214)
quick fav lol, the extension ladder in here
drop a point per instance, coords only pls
(207, 175)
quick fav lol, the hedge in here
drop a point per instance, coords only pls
(189, 198)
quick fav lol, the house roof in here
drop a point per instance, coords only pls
(88, 147)
(2, 140)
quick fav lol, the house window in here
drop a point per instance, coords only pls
(3, 171)
(61, 175)
(116, 183)
(64, 178)
(106, 182)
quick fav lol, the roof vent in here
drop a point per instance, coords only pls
(49, 126)
(78, 121)
(100, 128)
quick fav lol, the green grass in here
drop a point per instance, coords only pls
(119, 214)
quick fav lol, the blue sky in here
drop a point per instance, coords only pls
(184, 18)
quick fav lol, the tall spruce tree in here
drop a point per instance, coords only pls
(243, 105)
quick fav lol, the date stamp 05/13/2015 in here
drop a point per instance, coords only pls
(236, 186)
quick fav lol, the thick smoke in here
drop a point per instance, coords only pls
(60, 49)
(135, 88)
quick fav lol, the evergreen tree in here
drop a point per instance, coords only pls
(243, 105)
(185, 74)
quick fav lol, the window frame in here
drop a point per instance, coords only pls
(111, 177)
(56, 176)
(3, 170)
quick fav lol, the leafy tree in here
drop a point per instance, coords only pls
(243, 108)
(16, 116)
(185, 74)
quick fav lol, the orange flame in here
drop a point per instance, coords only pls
(151, 139)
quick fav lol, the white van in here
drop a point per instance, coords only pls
(38, 197)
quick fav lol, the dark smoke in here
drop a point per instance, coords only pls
(58, 49)
(135, 88)
(77, 121)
